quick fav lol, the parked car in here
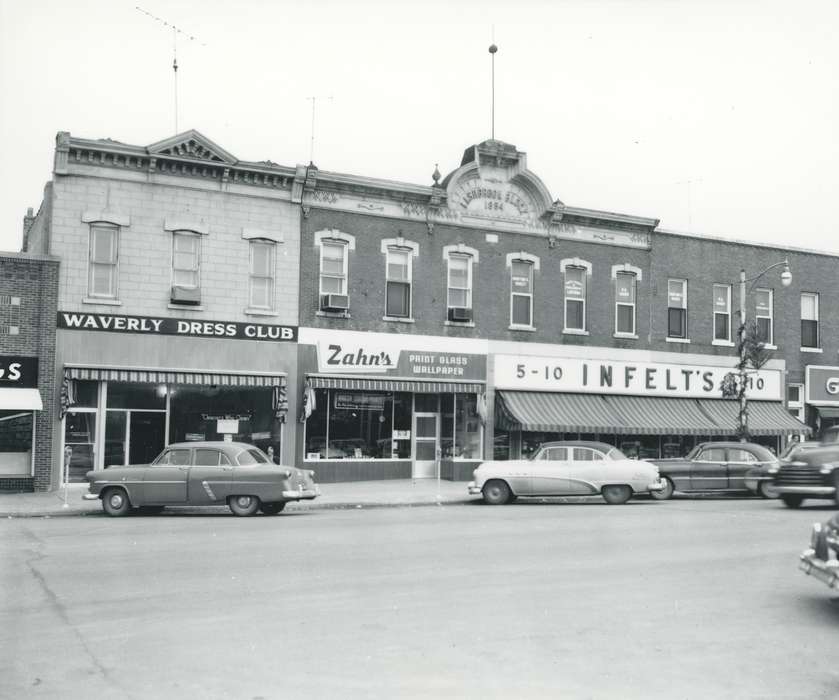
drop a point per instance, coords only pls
(202, 474)
(719, 466)
(821, 560)
(808, 472)
(568, 468)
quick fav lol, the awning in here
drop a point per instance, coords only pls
(828, 411)
(647, 415)
(535, 410)
(765, 417)
(178, 376)
(388, 384)
(20, 400)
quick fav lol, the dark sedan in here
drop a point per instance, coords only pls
(203, 474)
(808, 473)
(719, 466)
(821, 560)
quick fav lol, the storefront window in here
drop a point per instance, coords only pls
(79, 442)
(87, 394)
(501, 445)
(127, 395)
(467, 432)
(447, 443)
(530, 441)
(15, 442)
(639, 446)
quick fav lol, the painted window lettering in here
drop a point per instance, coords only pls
(831, 386)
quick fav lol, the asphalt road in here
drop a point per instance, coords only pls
(696, 598)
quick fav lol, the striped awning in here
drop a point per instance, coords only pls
(648, 415)
(178, 376)
(394, 384)
(584, 413)
(765, 417)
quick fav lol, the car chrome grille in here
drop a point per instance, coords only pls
(805, 475)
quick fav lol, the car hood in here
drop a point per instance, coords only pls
(818, 456)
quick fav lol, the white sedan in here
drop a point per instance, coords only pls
(570, 468)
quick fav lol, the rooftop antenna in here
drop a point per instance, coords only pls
(314, 100)
(689, 183)
(175, 32)
(493, 49)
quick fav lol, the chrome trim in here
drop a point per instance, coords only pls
(825, 571)
(806, 490)
(302, 493)
(659, 485)
(91, 497)
(209, 491)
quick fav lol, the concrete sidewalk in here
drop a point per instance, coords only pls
(359, 494)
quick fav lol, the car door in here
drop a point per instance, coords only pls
(708, 472)
(165, 481)
(549, 472)
(209, 477)
(740, 461)
(583, 470)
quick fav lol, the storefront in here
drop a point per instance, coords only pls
(224, 381)
(380, 406)
(821, 395)
(19, 401)
(649, 409)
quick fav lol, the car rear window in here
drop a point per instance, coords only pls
(252, 456)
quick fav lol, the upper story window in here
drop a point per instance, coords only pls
(262, 274)
(333, 275)
(795, 400)
(575, 298)
(459, 293)
(9, 315)
(763, 315)
(104, 258)
(521, 293)
(722, 312)
(809, 320)
(398, 293)
(677, 309)
(186, 259)
(625, 283)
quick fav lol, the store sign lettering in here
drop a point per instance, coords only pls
(174, 326)
(17, 371)
(831, 386)
(358, 358)
(822, 385)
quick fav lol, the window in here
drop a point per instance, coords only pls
(460, 282)
(333, 267)
(583, 454)
(9, 315)
(722, 312)
(398, 301)
(186, 259)
(712, 454)
(179, 457)
(104, 247)
(625, 303)
(521, 293)
(555, 454)
(741, 456)
(795, 400)
(763, 315)
(677, 309)
(809, 320)
(262, 275)
(575, 298)
(208, 458)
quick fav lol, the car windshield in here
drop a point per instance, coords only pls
(693, 452)
(251, 456)
(615, 453)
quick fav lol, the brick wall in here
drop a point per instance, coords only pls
(35, 280)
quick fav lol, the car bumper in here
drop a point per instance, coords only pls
(91, 497)
(473, 488)
(825, 571)
(806, 490)
(302, 494)
(659, 485)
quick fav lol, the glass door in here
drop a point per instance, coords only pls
(426, 444)
(79, 443)
(146, 434)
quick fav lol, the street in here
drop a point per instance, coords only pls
(690, 598)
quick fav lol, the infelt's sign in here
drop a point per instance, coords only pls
(616, 377)
(18, 371)
(822, 385)
(152, 325)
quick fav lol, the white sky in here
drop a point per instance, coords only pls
(616, 103)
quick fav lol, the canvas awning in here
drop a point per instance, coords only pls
(13, 399)
(828, 411)
(649, 415)
(175, 376)
(537, 410)
(765, 417)
(395, 384)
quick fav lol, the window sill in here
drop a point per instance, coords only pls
(723, 343)
(105, 302)
(686, 341)
(398, 319)
(811, 350)
(629, 336)
(526, 329)
(184, 307)
(574, 331)
(769, 346)
(460, 324)
(260, 312)
(333, 314)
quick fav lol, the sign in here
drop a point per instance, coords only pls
(401, 435)
(527, 373)
(385, 357)
(18, 371)
(822, 385)
(359, 401)
(151, 325)
(227, 427)
(194, 437)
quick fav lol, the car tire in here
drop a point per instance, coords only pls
(243, 505)
(115, 502)
(792, 500)
(496, 492)
(615, 494)
(667, 492)
(272, 508)
(766, 489)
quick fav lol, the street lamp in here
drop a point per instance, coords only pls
(786, 279)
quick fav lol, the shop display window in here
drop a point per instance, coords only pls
(501, 445)
(530, 441)
(447, 420)
(16, 442)
(467, 427)
(79, 443)
(127, 395)
(87, 394)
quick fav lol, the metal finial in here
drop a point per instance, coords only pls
(436, 175)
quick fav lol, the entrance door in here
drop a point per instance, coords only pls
(145, 436)
(426, 443)
(708, 471)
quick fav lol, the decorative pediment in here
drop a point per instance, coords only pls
(194, 145)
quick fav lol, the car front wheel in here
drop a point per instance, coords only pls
(767, 489)
(272, 508)
(616, 494)
(666, 492)
(243, 505)
(496, 492)
(792, 500)
(115, 502)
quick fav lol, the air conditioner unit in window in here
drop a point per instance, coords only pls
(334, 302)
(189, 296)
(460, 313)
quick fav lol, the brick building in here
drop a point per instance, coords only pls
(28, 298)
